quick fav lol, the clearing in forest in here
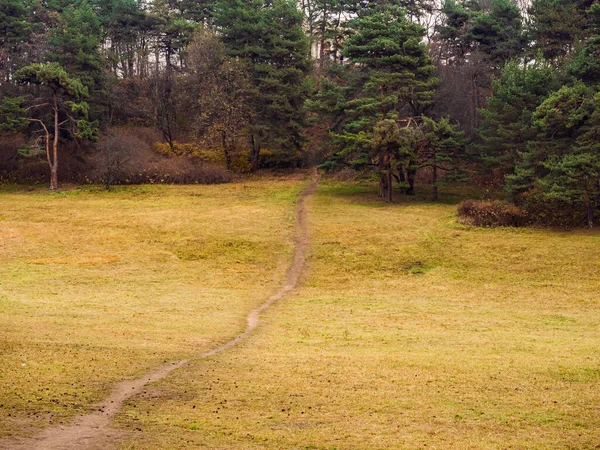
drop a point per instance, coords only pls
(408, 330)
(97, 287)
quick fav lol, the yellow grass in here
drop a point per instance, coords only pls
(98, 287)
(410, 331)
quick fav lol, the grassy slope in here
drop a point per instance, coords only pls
(409, 331)
(98, 287)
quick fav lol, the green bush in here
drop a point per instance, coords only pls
(553, 212)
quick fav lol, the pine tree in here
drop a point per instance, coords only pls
(16, 28)
(12, 115)
(507, 119)
(585, 65)
(123, 23)
(561, 166)
(199, 11)
(324, 25)
(442, 148)
(555, 26)
(75, 45)
(59, 104)
(499, 34)
(454, 32)
(268, 36)
(389, 82)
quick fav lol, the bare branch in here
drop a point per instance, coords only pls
(40, 122)
(47, 139)
(37, 106)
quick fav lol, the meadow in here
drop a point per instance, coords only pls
(408, 330)
(97, 287)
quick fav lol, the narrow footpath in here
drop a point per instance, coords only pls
(92, 431)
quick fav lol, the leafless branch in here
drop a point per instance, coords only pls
(40, 122)
(37, 106)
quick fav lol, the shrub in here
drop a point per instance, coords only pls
(180, 171)
(491, 214)
(123, 157)
(552, 212)
(115, 150)
(288, 159)
(346, 174)
(179, 149)
(147, 134)
(25, 162)
(240, 159)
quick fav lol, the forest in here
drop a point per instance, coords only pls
(497, 93)
(314, 224)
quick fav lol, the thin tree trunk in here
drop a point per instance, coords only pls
(382, 179)
(226, 149)
(435, 188)
(321, 55)
(156, 75)
(589, 210)
(410, 177)
(474, 97)
(390, 186)
(48, 155)
(54, 163)
(401, 176)
(130, 60)
(255, 154)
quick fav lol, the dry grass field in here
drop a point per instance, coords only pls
(408, 331)
(97, 287)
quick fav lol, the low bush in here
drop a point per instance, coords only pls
(278, 159)
(25, 162)
(124, 155)
(491, 214)
(239, 162)
(346, 174)
(178, 171)
(123, 158)
(552, 212)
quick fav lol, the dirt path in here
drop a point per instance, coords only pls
(92, 431)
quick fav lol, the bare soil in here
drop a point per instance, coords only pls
(93, 432)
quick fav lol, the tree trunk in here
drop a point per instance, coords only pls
(254, 157)
(130, 61)
(382, 187)
(410, 177)
(401, 177)
(382, 178)
(321, 56)
(168, 134)
(226, 149)
(156, 75)
(53, 178)
(435, 188)
(390, 186)
(54, 163)
(589, 210)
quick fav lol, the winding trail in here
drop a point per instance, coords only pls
(92, 432)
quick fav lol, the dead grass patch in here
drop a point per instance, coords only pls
(410, 331)
(97, 287)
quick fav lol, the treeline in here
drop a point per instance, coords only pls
(495, 91)
(226, 75)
